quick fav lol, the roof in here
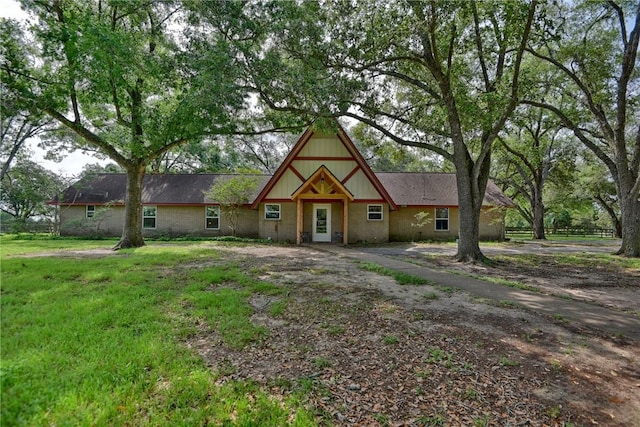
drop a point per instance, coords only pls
(404, 188)
(161, 189)
(433, 189)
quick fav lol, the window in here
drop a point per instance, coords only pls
(442, 219)
(272, 212)
(149, 214)
(212, 217)
(91, 211)
(374, 212)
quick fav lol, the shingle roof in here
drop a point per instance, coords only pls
(406, 189)
(167, 189)
(433, 189)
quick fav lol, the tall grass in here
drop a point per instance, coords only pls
(101, 341)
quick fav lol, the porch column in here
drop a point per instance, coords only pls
(345, 221)
(299, 221)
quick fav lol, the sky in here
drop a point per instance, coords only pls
(73, 163)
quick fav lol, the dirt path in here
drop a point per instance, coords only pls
(619, 290)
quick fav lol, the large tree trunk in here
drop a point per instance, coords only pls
(630, 213)
(469, 237)
(470, 196)
(538, 214)
(132, 230)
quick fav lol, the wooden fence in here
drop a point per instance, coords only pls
(565, 232)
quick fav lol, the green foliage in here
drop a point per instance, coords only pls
(26, 189)
(126, 79)
(233, 193)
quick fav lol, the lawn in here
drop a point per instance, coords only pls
(211, 333)
(101, 340)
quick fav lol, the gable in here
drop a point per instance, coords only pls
(322, 184)
(338, 155)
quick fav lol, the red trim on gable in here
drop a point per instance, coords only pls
(350, 174)
(369, 201)
(351, 148)
(346, 141)
(306, 136)
(430, 206)
(295, 171)
(278, 201)
(321, 158)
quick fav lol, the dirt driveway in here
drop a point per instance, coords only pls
(372, 352)
(615, 289)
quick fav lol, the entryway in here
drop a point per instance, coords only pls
(321, 223)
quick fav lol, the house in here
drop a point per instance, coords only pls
(324, 191)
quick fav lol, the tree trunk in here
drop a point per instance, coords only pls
(538, 215)
(617, 227)
(132, 230)
(470, 196)
(615, 220)
(469, 237)
(630, 213)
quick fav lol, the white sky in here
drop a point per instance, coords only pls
(73, 163)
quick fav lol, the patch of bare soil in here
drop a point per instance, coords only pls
(371, 352)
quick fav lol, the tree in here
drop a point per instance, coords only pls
(595, 50)
(118, 75)
(26, 189)
(232, 193)
(594, 182)
(18, 124)
(261, 152)
(438, 75)
(533, 149)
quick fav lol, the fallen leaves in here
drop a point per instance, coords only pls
(331, 344)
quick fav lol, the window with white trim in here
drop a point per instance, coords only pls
(442, 219)
(272, 211)
(149, 215)
(212, 217)
(374, 212)
(91, 211)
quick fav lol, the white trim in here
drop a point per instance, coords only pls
(320, 236)
(92, 211)
(279, 212)
(207, 217)
(155, 217)
(435, 223)
(369, 212)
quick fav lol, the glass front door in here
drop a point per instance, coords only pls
(321, 223)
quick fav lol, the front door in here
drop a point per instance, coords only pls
(321, 223)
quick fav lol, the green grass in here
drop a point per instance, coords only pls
(20, 244)
(101, 341)
(398, 276)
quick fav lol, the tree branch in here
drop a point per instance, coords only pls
(88, 136)
(595, 109)
(400, 140)
(478, 40)
(568, 123)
